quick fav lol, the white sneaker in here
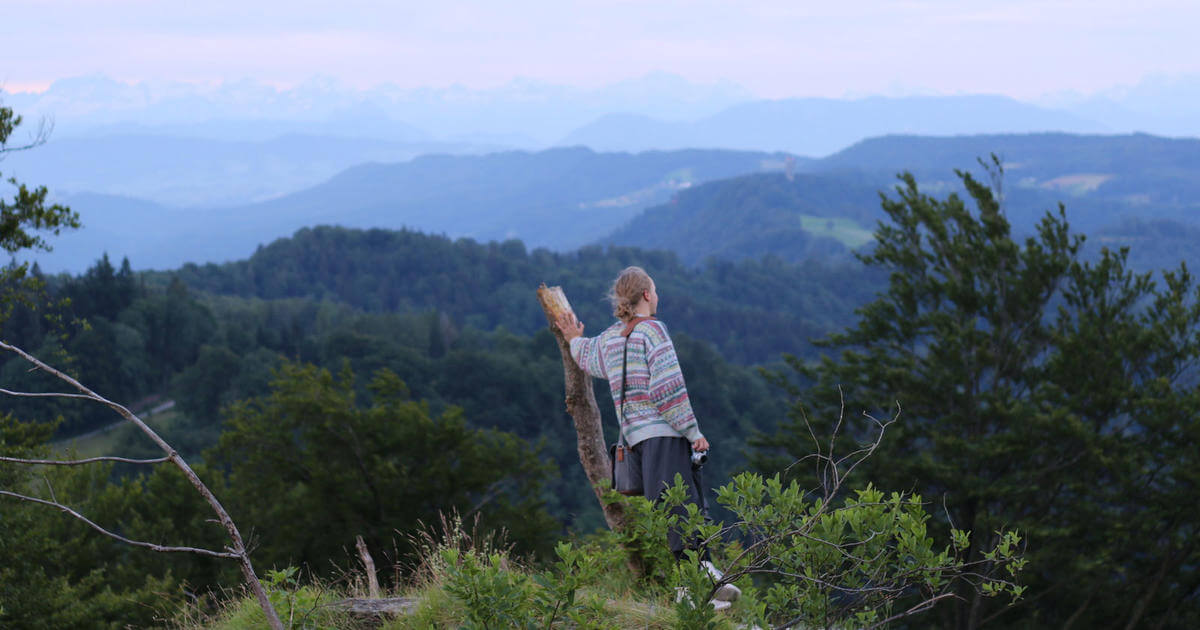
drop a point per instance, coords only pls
(718, 604)
(727, 592)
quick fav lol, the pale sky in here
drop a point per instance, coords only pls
(1025, 49)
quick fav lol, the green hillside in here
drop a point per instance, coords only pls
(798, 218)
(1102, 179)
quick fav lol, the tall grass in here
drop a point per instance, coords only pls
(464, 576)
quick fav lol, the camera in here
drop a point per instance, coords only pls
(699, 458)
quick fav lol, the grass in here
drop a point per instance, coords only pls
(846, 231)
(436, 608)
(106, 441)
(463, 576)
(439, 610)
(301, 607)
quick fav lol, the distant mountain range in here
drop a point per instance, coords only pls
(199, 165)
(203, 172)
(523, 113)
(239, 142)
(560, 198)
(726, 204)
(658, 110)
(1123, 189)
(819, 127)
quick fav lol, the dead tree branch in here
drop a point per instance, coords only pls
(10, 392)
(854, 573)
(237, 550)
(136, 543)
(38, 138)
(80, 462)
(919, 608)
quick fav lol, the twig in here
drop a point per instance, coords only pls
(50, 487)
(921, 607)
(38, 138)
(136, 543)
(80, 462)
(44, 394)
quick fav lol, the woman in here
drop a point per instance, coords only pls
(637, 358)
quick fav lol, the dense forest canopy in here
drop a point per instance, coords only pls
(728, 304)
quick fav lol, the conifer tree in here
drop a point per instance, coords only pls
(1040, 391)
(25, 216)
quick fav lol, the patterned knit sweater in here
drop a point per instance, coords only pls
(656, 399)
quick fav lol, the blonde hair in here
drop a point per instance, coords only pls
(627, 290)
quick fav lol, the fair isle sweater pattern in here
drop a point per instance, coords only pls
(656, 398)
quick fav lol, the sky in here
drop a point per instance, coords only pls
(799, 48)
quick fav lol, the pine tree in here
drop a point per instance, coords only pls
(1037, 391)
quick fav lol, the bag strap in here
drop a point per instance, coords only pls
(624, 365)
(633, 324)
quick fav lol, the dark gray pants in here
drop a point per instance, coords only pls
(663, 458)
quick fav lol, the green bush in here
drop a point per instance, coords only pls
(817, 561)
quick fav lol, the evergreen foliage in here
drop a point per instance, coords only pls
(732, 305)
(309, 467)
(1039, 391)
(107, 330)
(58, 573)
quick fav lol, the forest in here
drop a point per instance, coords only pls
(343, 383)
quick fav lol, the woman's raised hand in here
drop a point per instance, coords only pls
(570, 327)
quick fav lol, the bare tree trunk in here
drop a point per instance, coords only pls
(581, 404)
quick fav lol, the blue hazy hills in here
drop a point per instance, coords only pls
(698, 203)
